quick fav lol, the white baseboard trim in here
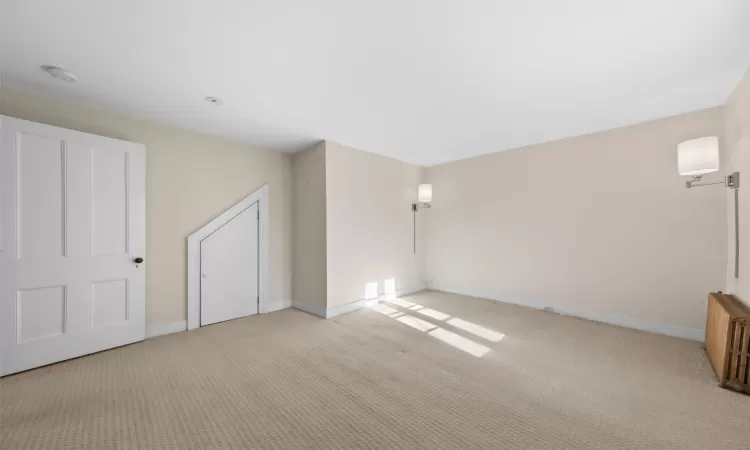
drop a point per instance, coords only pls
(405, 292)
(694, 334)
(351, 306)
(345, 308)
(314, 311)
(361, 303)
(161, 329)
(277, 306)
(175, 327)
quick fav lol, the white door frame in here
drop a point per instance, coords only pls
(260, 196)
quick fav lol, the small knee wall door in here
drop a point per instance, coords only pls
(229, 269)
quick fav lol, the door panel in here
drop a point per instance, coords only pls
(109, 200)
(229, 269)
(109, 302)
(40, 196)
(41, 313)
(73, 219)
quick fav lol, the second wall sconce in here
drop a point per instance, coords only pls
(424, 197)
(698, 157)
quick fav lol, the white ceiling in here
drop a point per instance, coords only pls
(424, 81)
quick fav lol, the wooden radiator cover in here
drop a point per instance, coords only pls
(728, 341)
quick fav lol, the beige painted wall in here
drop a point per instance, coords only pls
(191, 178)
(600, 225)
(369, 223)
(309, 229)
(737, 141)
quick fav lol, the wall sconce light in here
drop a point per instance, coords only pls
(697, 157)
(424, 197)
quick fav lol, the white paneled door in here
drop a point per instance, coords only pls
(229, 269)
(72, 229)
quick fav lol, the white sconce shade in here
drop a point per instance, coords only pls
(698, 156)
(425, 193)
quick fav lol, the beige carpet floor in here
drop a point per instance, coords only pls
(367, 380)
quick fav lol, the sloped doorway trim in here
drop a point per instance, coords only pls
(260, 196)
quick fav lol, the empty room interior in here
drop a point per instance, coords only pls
(343, 224)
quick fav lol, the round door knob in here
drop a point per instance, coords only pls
(138, 260)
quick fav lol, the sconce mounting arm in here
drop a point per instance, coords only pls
(732, 181)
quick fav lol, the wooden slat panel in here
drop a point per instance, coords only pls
(744, 355)
(734, 354)
(717, 324)
(728, 341)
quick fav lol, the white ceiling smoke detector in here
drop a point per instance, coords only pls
(60, 73)
(214, 101)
